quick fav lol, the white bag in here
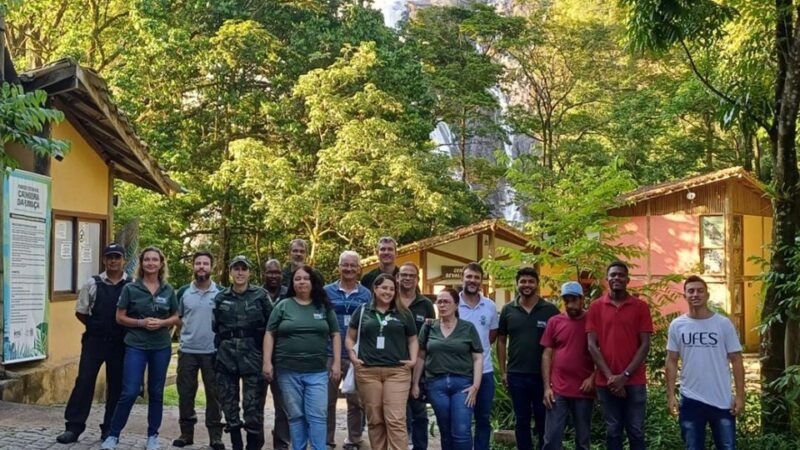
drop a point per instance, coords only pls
(349, 383)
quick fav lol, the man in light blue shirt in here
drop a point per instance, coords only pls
(195, 308)
(346, 295)
(482, 312)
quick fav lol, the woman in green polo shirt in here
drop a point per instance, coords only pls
(148, 309)
(387, 351)
(452, 357)
(298, 332)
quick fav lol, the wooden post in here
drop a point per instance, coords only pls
(493, 255)
(423, 267)
(110, 222)
(2, 48)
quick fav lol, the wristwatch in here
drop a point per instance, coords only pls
(627, 374)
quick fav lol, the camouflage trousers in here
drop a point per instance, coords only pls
(253, 388)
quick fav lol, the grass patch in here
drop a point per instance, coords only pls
(171, 396)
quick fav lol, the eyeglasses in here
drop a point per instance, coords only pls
(407, 275)
(443, 301)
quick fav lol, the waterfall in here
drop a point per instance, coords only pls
(513, 145)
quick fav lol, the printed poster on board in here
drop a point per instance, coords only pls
(26, 253)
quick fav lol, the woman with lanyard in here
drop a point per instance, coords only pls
(387, 351)
(452, 357)
(148, 308)
(299, 330)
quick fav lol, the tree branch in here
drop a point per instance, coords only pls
(707, 83)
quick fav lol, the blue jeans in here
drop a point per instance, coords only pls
(527, 394)
(306, 398)
(417, 423)
(136, 360)
(581, 410)
(693, 418)
(626, 413)
(454, 417)
(483, 412)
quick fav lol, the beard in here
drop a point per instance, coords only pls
(471, 290)
(201, 277)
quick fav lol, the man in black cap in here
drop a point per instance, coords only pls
(101, 343)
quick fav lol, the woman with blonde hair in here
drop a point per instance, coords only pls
(387, 351)
(148, 309)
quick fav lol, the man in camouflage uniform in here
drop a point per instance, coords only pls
(241, 313)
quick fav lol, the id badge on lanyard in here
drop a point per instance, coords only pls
(382, 321)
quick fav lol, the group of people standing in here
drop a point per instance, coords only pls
(300, 337)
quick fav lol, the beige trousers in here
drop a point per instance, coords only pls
(384, 394)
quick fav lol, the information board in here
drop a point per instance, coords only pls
(26, 256)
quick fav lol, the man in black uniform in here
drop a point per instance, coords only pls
(101, 343)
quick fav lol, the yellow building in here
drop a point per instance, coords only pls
(103, 147)
(441, 258)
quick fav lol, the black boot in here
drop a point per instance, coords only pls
(255, 441)
(236, 438)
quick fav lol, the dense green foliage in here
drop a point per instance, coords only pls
(23, 115)
(311, 119)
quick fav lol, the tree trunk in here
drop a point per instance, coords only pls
(786, 206)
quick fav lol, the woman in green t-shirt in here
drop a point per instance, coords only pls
(148, 309)
(298, 333)
(387, 351)
(451, 355)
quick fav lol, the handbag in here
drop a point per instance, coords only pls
(423, 385)
(349, 383)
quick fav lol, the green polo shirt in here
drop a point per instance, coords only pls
(452, 354)
(369, 278)
(524, 331)
(302, 334)
(397, 329)
(139, 303)
(421, 308)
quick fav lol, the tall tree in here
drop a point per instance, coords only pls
(462, 73)
(699, 26)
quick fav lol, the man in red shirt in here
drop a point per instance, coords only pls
(568, 372)
(618, 328)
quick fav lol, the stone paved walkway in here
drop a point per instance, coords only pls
(36, 427)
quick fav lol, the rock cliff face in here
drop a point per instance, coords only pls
(501, 199)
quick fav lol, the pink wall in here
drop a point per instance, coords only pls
(633, 231)
(675, 243)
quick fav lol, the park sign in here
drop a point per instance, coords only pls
(26, 256)
(452, 272)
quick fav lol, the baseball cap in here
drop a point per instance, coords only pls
(114, 249)
(240, 259)
(571, 288)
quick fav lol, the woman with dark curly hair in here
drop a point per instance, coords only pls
(295, 346)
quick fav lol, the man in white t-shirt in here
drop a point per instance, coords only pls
(708, 345)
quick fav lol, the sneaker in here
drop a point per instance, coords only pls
(67, 437)
(152, 442)
(110, 443)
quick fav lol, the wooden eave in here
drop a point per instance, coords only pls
(83, 97)
(671, 187)
(501, 229)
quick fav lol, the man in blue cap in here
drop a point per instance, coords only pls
(102, 342)
(568, 372)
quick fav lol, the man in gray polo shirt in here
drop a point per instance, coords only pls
(195, 307)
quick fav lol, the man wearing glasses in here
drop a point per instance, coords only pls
(346, 296)
(421, 309)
